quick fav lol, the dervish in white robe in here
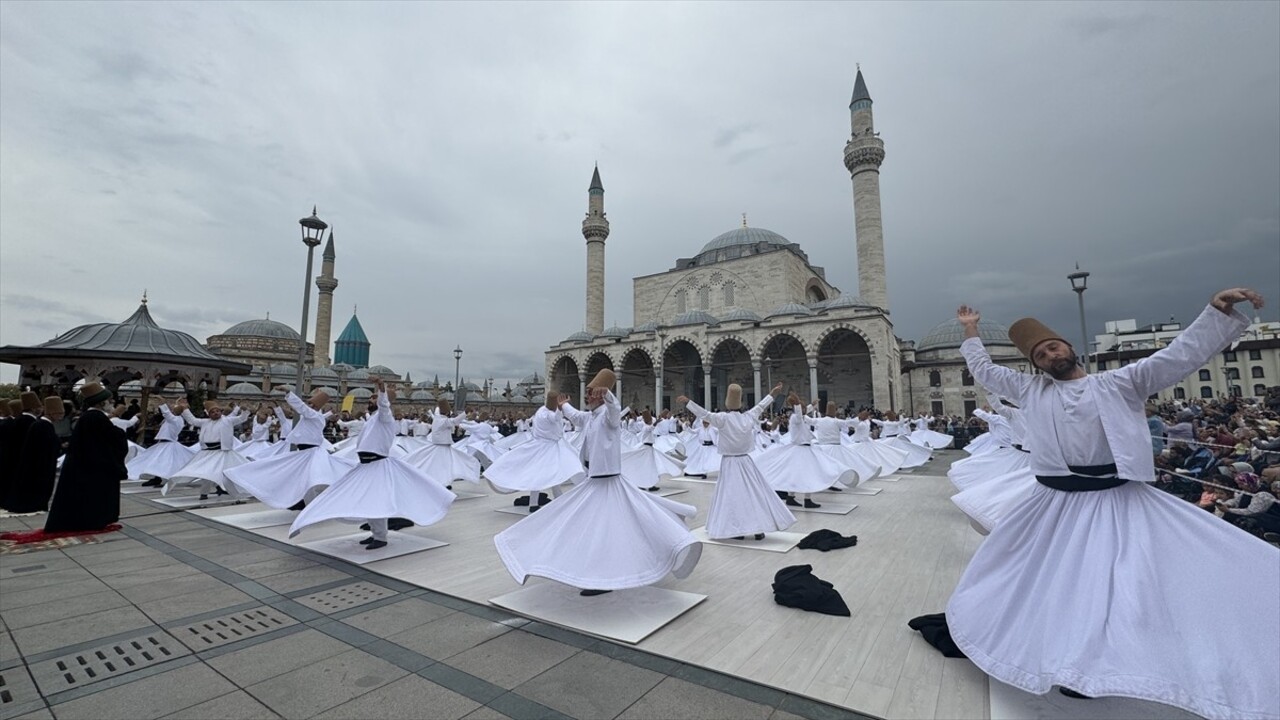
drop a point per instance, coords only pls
(167, 455)
(605, 533)
(290, 480)
(1095, 580)
(827, 434)
(922, 435)
(206, 469)
(701, 456)
(379, 487)
(438, 459)
(644, 464)
(892, 434)
(743, 503)
(799, 467)
(888, 457)
(543, 463)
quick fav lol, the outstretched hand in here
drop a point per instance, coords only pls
(967, 315)
(1225, 300)
(682, 399)
(777, 389)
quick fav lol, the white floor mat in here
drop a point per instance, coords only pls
(626, 615)
(828, 507)
(257, 519)
(348, 547)
(778, 542)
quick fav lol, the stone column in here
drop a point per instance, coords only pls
(706, 388)
(813, 377)
(755, 369)
(582, 391)
(617, 390)
(657, 393)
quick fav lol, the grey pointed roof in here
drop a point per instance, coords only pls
(595, 180)
(329, 254)
(859, 90)
(138, 339)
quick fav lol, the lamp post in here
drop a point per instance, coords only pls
(312, 235)
(1079, 283)
(457, 365)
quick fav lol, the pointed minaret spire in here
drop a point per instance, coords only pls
(863, 155)
(329, 254)
(859, 89)
(595, 229)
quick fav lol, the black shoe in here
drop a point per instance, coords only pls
(399, 523)
(153, 482)
(782, 495)
(593, 593)
(811, 504)
(375, 544)
(221, 491)
(1073, 694)
(365, 527)
(534, 508)
(299, 505)
(367, 540)
(792, 502)
(927, 620)
(204, 497)
(521, 501)
(759, 536)
(448, 487)
(835, 489)
(655, 488)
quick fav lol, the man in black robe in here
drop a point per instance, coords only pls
(11, 452)
(88, 492)
(38, 465)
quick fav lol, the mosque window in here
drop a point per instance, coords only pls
(935, 378)
(680, 302)
(728, 294)
(1204, 375)
(704, 298)
(1255, 354)
(1260, 390)
(965, 377)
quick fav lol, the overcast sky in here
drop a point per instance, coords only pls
(173, 147)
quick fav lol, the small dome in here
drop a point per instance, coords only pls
(382, 370)
(361, 393)
(423, 384)
(341, 368)
(533, 379)
(323, 373)
(695, 317)
(244, 388)
(131, 387)
(581, 336)
(359, 374)
(421, 395)
(744, 236)
(846, 301)
(281, 389)
(174, 387)
(282, 370)
(790, 309)
(263, 328)
(615, 332)
(497, 399)
(646, 328)
(471, 387)
(331, 392)
(950, 334)
(740, 314)
(446, 395)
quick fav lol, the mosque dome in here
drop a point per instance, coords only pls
(615, 332)
(382, 370)
(421, 395)
(950, 334)
(581, 336)
(281, 369)
(744, 236)
(740, 314)
(844, 301)
(244, 388)
(361, 393)
(323, 373)
(331, 392)
(695, 317)
(533, 379)
(790, 309)
(263, 328)
(471, 387)
(646, 328)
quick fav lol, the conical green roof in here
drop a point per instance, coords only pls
(353, 332)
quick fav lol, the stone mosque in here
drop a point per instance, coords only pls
(750, 308)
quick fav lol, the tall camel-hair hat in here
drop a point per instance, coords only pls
(1028, 333)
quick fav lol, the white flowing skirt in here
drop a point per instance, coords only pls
(134, 450)
(802, 469)
(206, 469)
(380, 489)
(160, 460)
(645, 466)
(1107, 593)
(485, 451)
(350, 452)
(888, 457)
(977, 469)
(852, 458)
(444, 464)
(510, 442)
(669, 444)
(535, 465)
(604, 534)
(701, 459)
(984, 443)
(930, 439)
(285, 479)
(262, 449)
(916, 455)
(996, 497)
(743, 503)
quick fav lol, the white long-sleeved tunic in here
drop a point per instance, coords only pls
(309, 430)
(170, 427)
(737, 429)
(602, 442)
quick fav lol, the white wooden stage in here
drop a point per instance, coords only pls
(913, 543)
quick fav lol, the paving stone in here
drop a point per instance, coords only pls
(328, 683)
(161, 574)
(239, 705)
(230, 628)
(274, 566)
(784, 715)
(448, 636)
(132, 565)
(17, 690)
(156, 696)
(397, 617)
(41, 714)
(107, 661)
(486, 713)
(199, 582)
(256, 555)
(41, 638)
(522, 708)
(675, 699)
(43, 578)
(303, 579)
(513, 658)
(63, 608)
(276, 657)
(590, 686)
(28, 564)
(10, 600)
(344, 597)
(8, 650)
(408, 697)
(182, 606)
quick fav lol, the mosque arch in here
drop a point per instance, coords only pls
(563, 376)
(845, 369)
(731, 363)
(682, 371)
(636, 372)
(784, 360)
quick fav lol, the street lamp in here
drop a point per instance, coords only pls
(1079, 283)
(457, 364)
(312, 235)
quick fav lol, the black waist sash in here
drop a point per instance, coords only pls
(213, 446)
(707, 443)
(649, 444)
(368, 457)
(1084, 478)
(160, 441)
(304, 446)
(1019, 448)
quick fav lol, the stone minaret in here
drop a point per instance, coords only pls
(324, 309)
(595, 228)
(862, 156)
